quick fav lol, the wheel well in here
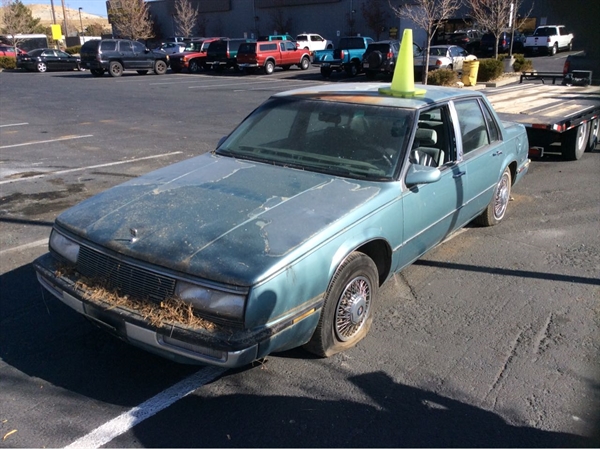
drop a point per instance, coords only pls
(381, 253)
(513, 171)
(269, 60)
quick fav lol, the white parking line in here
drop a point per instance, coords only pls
(123, 423)
(45, 141)
(14, 124)
(271, 81)
(89, 167)
(25, 246)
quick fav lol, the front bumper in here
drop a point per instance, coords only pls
(231, 348)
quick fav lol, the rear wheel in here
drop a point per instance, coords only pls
(352, 69)
(495, 211)
(41, 67)
(115, 69)
(269, 67)
(305, 63)
(570, 46)
(594, 131)
(575, 142)
(160, 67)
(347, 313)
(554, 49)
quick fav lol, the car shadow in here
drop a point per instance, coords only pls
(389, 414)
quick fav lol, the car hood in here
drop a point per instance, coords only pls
(219, 218)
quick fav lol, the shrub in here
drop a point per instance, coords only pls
(7, 62)
(73, 50)
(442, 77)
(521, 64)
(490, 69)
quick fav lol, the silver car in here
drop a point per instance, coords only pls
(445, 57)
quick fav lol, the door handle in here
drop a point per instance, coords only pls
(459, 174)
(497, 153)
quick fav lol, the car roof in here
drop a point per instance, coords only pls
(369, 93)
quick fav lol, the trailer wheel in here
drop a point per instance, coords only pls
(575, 142)
(594, 131)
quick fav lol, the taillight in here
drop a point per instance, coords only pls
(438, 62)
(566, 67)
(504, 42)
(548, 40)
(341, 54)
(390, 55)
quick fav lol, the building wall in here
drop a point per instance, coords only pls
(330, 18)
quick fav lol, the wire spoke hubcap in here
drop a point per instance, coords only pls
(353, 308)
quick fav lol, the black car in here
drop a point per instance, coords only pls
(488, 40)
(380, 57)
(44, 59)
(223, 53)
(116, 55)
(470, 40)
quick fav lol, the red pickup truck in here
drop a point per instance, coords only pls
(269, 54)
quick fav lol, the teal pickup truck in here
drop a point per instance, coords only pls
(347, 55)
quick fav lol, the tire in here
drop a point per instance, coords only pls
(195, 66)
(347, 313)
(325, 72)
(142, 72)
(574, 142)
(495, 211)
(97, 72)
(41, 67)
(305, 63)
(352, 69)
(269, 67)
(115, 69)
(554, 50)
(593, 134)
(160, 67)
(570, 46)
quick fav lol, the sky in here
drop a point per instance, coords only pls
(97, 7)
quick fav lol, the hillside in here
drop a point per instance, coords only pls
(44, 13)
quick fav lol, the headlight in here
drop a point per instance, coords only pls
(64, 246)
(222, 304)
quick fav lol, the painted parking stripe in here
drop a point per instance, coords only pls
(13, 124)
(25, 246)
(89, 167)
(123, 423)
(45, 141)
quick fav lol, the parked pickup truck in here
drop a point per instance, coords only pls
(549, 39)
(269, 54)
(348, 55)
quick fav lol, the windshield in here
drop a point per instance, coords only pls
(344, 139)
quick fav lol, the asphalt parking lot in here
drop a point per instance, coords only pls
(492, 339)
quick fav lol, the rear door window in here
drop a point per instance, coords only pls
(108, 46)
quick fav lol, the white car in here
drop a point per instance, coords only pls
(173, 47)
(313, 42)
(445, 57)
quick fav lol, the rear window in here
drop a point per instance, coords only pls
(352, 43)
(383, 48)
(302, 38)
(544, 32)
(247, 48)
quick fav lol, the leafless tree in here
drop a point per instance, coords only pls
(130, 18)
(429, 15)
(16, 19)
(376, 13)
(493, 16)
(202, 25)
(185, 17)
(281, 23)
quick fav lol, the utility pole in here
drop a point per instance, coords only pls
(81, 21)
(65, 20)
(53, 13)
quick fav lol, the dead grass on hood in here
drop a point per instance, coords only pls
(160, 314)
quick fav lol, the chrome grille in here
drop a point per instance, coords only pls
(125, 278)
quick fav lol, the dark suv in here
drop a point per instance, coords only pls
(116, 55)
(223, 53)
(380, 57)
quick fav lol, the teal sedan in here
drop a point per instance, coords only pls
(282, 236)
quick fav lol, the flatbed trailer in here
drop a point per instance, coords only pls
(565, 115)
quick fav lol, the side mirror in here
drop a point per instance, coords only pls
(422, 174)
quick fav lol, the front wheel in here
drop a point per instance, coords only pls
(160, 67)
(352, 69)
(115, 69)
(575, 142)
(304, 64)
(195, 66)
(347, 313)
(41, 67)
(495, 211)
